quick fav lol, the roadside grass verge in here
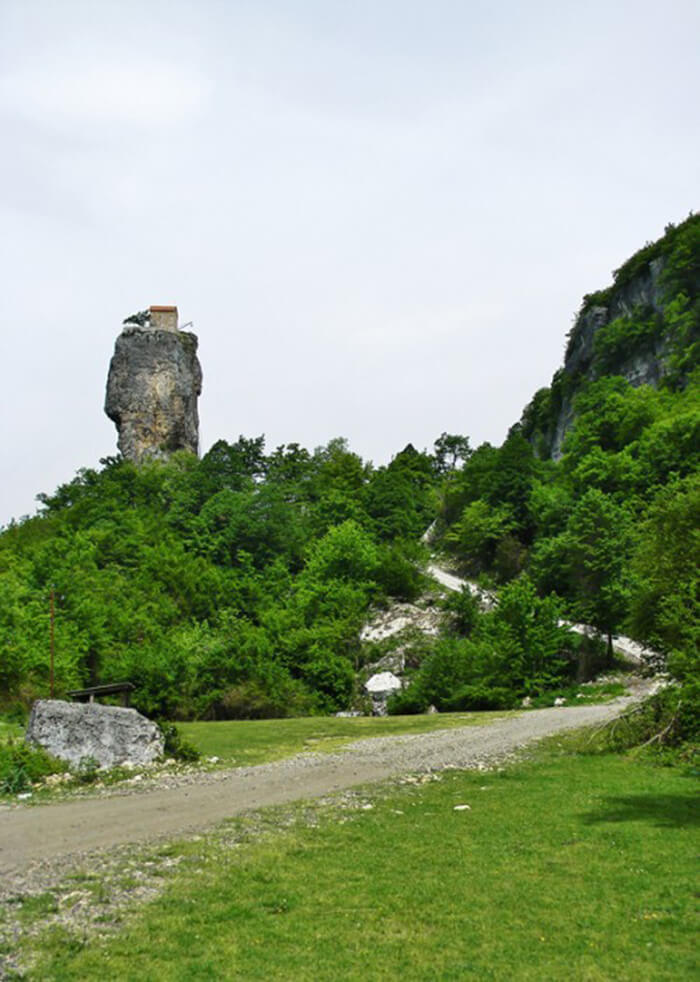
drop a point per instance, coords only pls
(248, 742)
(581, 695)
(567, 866)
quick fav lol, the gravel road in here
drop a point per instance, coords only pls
(39, 834)
(627, 648)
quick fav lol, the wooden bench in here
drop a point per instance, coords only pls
(110, 689)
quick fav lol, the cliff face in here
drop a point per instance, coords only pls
(153, 384)
(641, 328)
(640, 364)
(643, 293)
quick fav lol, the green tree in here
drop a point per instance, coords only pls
(448, 450)
(596, 550)
(476, 536)
(665, 609)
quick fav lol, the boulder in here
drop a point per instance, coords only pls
(110, 735)
(380, 687)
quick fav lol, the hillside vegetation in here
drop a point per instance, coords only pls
(236, 585)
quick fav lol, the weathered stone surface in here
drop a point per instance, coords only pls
(152, 388)
(643, 364)
(111, 735)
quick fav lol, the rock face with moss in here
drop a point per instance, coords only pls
(152, 388)
(645, 328)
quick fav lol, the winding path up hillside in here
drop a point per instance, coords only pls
(629, 649)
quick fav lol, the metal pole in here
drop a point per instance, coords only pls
(51, 666)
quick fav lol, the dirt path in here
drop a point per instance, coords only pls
(44, 833)
(629, 649)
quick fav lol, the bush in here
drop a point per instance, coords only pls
(256, 699)
(464, 609)
(332, 677)
(397, 574)
(668, 719)
(408, 702)
(88, 770)
(480, 697)
(175, 744)
(21, 764)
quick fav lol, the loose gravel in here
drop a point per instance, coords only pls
(179, 803)
(84, 863)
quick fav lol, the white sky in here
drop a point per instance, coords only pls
(381, 216)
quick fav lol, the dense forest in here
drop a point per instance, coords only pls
(237, 585)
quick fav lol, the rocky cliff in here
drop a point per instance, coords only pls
(152, 388)
(644, 328)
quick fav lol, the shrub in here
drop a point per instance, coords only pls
(175, 744)
(670, 718)
(332, 676)
(480, 696)
(21, 764)
(256, 699)
(407, 702)
(88, 770)
(397, 575)
(463, 607)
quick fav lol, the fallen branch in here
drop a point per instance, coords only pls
(612, 724)
(662, 733)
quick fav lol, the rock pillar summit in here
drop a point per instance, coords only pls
(152, 387)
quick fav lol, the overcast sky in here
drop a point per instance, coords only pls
(381, 216)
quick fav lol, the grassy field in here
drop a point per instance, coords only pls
(245, 742)
(568, 867)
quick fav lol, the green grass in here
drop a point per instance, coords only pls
(570, 867)
(10, 731)
(581, 695)
(246, 742)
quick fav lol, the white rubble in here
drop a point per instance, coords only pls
(398, 617)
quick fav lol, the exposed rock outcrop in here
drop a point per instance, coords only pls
(640, 366)
(397, 618)
(152, 388)
(643, 328)
(109, 735)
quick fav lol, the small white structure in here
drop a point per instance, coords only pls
(163, 318)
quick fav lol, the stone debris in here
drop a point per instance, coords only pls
(92, 734)
(400, 617)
